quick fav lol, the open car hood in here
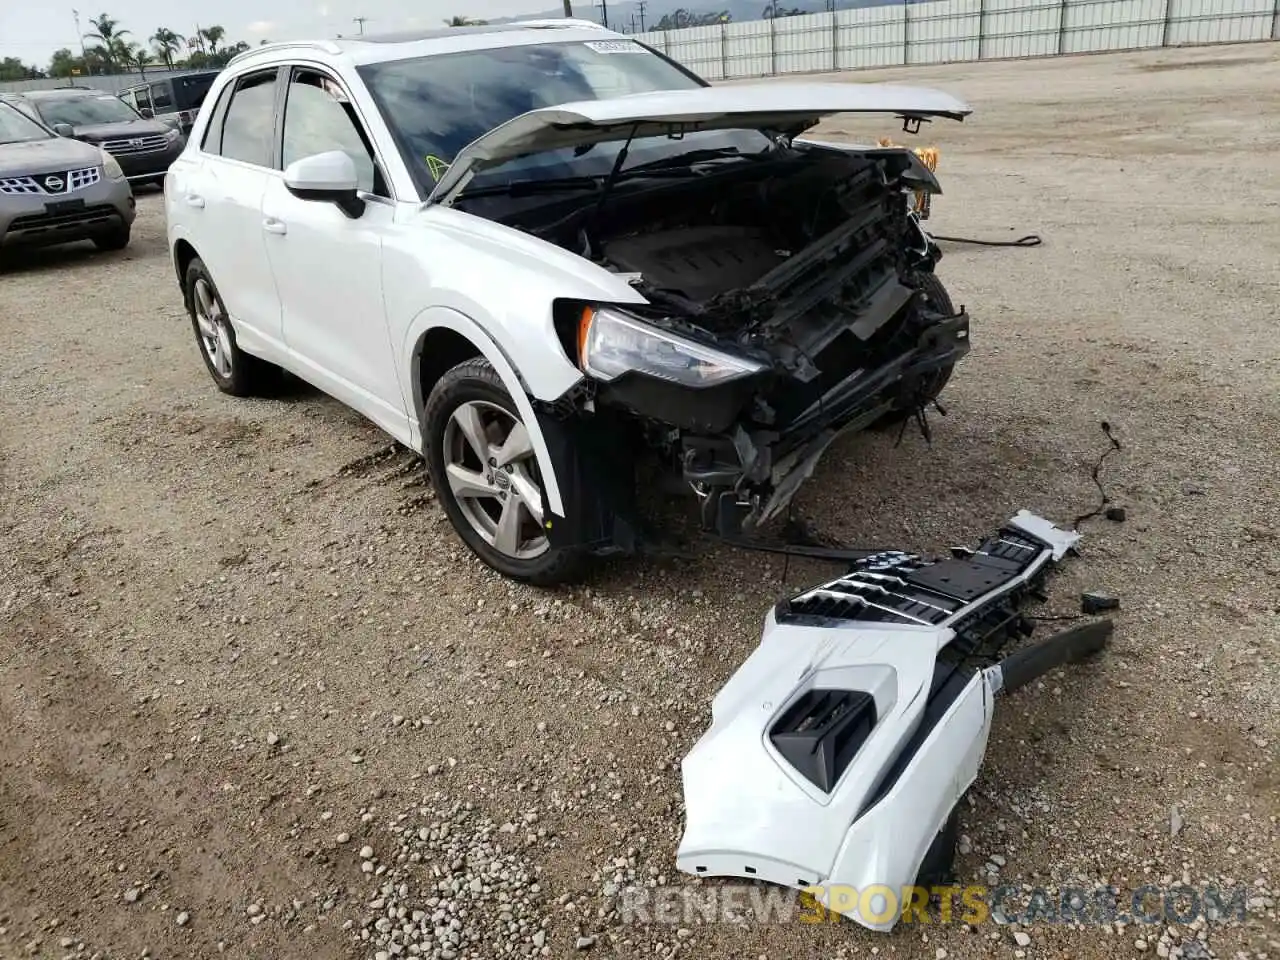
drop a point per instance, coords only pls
(789, 108)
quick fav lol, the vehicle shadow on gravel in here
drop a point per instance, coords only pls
(42, 259)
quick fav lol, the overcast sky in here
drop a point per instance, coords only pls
(32, 31)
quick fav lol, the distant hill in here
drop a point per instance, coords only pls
(625, 16)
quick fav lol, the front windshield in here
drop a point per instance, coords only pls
(437, 105)
(85, 111)
(15, 127)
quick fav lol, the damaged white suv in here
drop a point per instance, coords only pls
(538, 253)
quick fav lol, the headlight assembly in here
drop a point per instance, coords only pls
(111, 167)
(611, 343)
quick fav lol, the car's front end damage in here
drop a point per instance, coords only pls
(838, 751)
(796, 326)
(786, 291)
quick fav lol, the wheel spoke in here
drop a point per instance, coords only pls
(205, 324)
(466, 483)
(467, 417)
(516, 446)
(224, 351)
(507, 535)
(530, 495)
(206, 305)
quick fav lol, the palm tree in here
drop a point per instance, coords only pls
(139, 57)
(214, 35)
(108, 34)
(167, 43)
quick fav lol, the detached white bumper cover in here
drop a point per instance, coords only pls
(838, 750)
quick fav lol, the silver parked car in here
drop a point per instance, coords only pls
(55, 190)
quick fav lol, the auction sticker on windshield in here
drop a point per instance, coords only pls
(615, 46)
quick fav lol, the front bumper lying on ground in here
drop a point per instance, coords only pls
(838, 751)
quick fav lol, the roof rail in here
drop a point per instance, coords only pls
(328, 46)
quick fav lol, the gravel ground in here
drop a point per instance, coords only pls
(259, 701)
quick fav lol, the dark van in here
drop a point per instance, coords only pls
(177, 97)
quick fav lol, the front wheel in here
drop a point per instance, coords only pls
(931, 388)
(486, 475)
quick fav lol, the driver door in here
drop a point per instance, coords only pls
(328, 266)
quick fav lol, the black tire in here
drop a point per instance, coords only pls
(245, 375)
(117, 239)
(470, 382)
(936, 294)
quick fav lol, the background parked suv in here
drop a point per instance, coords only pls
(55, 190)
(144, 148)
(178, 98)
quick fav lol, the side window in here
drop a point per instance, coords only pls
(212, 142)
(129, 99)
(143, 96)
(318, 117)
(248, 128)
(159, 96)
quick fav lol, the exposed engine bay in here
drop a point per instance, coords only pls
(809, 261)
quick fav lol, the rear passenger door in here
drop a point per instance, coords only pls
(221, 200)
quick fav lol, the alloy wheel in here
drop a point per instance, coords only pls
(493, 475)
(215, 337)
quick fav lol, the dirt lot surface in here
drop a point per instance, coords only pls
(239, 642)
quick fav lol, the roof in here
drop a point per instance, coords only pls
(375, 48)
(63, 93)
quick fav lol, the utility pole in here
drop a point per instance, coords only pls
(84, 54)
(604, 14)
(359, 22)
(642, 4)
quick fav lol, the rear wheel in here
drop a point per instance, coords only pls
(234, 371)
(487, 477)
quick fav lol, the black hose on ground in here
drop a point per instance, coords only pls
(1030, 240)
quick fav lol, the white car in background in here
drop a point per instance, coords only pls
(539, 253)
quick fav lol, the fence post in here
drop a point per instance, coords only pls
(1168, 21)
(906, 34)
(1062, 28)
(773, 46)
(835, 41)
(982, 20)
(1275, 21)
(666, 42)
(724, 52)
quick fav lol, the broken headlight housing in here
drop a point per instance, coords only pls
(611, 343)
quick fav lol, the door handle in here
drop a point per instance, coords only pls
(195, 201)
(272, 225)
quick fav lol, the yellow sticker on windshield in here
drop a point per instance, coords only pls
(436, 167)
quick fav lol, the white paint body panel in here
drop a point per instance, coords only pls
(747, 105)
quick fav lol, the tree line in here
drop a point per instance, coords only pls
(109, 48)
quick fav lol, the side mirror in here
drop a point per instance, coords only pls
(64, 129)
(329, 176)
(147, 113)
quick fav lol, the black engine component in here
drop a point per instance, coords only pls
(696, 262)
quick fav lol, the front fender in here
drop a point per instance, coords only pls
(433, 318)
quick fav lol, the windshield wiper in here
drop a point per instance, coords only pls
(524, 188)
